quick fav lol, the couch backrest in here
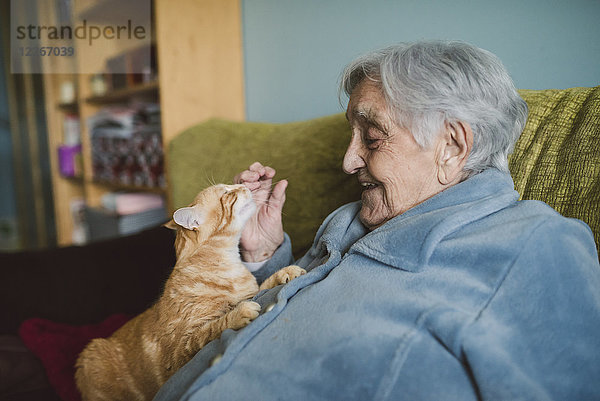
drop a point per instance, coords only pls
(556, 160)
(308, 154)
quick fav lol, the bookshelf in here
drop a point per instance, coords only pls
(200, 75)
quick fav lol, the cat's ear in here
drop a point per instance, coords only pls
(188, 217)
(171, 225)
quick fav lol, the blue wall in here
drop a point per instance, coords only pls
(295, 49)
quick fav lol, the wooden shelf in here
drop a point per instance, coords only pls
(69, 107)
(76, 179)
(124, 94)
(200, 79)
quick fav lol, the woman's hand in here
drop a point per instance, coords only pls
(263, 233)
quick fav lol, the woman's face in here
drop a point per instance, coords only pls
(393, 170)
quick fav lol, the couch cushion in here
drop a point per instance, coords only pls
(58, 345)
(556, 160)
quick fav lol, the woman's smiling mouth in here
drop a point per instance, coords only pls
(367, 186)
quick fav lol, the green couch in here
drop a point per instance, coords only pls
(556, 160)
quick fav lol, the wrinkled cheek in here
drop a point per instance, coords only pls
(370, 199)
(373, 206)
(366, 215)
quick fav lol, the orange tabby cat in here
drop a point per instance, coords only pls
(207, 292)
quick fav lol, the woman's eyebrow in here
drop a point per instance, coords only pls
(375, 120)
(370, 117)
(367, 115)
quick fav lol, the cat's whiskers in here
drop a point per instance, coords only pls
(271, 186)
(266, 202)
(259, 203)
(211, 179)
(208, 179)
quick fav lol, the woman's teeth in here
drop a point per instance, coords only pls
(368, 185)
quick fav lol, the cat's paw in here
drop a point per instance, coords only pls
(282, 276)
(243, 314)
(289, 273)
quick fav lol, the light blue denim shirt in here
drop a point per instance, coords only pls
(470, 295)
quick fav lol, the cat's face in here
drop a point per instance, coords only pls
(219, 207)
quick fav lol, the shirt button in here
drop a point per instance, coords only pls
(269, 307)
(216, 360)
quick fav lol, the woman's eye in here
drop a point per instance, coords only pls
(373, 137)
(372, 143)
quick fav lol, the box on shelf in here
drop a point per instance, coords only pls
(70, 161)
(127, 146)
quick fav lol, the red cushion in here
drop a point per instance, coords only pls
(57, 345)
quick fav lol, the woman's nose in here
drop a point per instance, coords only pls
(353, 160)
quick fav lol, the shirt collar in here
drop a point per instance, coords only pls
(408, 240)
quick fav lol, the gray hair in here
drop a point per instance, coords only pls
(428, 84)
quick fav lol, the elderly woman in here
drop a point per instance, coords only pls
(439, 284)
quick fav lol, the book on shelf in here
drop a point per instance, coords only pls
(125, 203)
(105, 224)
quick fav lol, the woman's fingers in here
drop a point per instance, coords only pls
(277, 198)
(256, 177)
(258, 168)
(269, 172)
(246, 176)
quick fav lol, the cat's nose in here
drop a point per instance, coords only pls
(246, 190)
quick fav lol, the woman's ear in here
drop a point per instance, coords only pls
(188, 217)
(455, 148)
